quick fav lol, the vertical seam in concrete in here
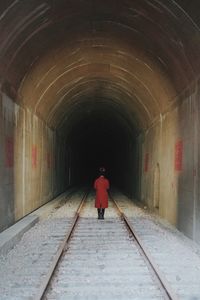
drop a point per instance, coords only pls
(69, 175)
(41, 161)
(23, 163)
(160, 155)
(195, 165)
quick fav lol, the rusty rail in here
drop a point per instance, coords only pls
(158, 275)
(62, 248)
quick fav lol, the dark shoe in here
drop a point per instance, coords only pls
(99, 213)
(101, 217)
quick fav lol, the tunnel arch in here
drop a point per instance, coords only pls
(131, 66)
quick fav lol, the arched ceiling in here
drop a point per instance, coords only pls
(62, 57)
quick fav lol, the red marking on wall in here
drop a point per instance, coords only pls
(178, 162)
(34, 156)
(146, 162)
(9, 152)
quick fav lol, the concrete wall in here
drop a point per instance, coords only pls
(170, 164)
(33, 162)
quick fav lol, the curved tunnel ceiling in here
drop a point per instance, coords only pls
(134, 57)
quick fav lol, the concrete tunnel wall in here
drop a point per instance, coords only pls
(135, 63)
(172, 145)
(27, 143)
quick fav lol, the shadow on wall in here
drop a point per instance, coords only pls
(187, 165)
(156, 187)
(7, 142)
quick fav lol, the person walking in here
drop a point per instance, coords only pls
(101, 185)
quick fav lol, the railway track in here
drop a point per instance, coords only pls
(103, 259)
(46, 280)
(156, 273)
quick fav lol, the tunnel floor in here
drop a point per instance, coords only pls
(177, 257)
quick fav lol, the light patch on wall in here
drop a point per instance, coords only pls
(49, 160)
(146, 162)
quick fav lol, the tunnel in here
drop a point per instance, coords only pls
(101, 136)
(86, 84)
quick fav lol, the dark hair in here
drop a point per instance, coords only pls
(102, 171)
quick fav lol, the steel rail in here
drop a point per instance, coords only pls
(61, 250)
(160, 278)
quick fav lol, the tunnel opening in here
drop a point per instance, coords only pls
(103, 136)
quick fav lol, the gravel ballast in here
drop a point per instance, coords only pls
(177, 257)
(23, 268)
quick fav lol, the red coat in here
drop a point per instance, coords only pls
(101, 185)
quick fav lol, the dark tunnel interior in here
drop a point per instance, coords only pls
(103, 137)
